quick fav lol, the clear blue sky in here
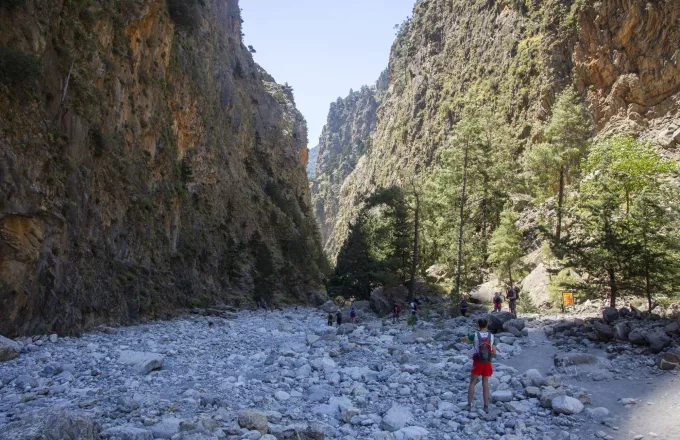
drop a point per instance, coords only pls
(322, 48)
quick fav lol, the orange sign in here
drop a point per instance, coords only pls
(567, 298)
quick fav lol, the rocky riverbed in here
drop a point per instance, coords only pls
(286, 374)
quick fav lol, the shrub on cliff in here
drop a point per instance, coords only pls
(186, 13)
(18, 67)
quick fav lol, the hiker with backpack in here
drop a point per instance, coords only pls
(338, 318)
(330, 319)
(463, 307)
(497, 302)
(485, 349)
(396, 312)
(353, 316)
(511, 295)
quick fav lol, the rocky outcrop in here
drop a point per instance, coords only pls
(619, 55)
(146, 164)
(345, 138)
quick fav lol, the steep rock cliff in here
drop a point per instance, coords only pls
(146, 164)
(345, 138)
(621, 55)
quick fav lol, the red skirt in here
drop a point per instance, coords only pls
(483, 369)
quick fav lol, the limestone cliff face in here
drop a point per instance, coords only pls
(344, 139)
(311, 162)
(146, 164)
(621, 55)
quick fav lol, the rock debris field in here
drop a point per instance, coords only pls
(286, 374)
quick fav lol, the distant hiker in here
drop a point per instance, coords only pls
(264, 304)
(485, 350)
(511, 295)
(330, 319)
(414, 308)
(463, 307)
(353, 316)
(497, 302)
(338, 318)
(211, 324)
(396, 312)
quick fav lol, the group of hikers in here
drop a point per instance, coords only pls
(511, 294)
(396, 313)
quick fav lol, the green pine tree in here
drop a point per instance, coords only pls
(506, 247)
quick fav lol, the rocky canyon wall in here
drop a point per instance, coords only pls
(621, 55)
(146, 164)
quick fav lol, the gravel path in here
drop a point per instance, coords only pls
(656, 393)
(299, 379)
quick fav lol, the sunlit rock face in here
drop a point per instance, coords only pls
(618, 54)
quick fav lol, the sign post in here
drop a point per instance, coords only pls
(567, 300)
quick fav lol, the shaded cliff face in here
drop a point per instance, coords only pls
(621, 55)
(311, 162)
(344, 139)
(146, 163)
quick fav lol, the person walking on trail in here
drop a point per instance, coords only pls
(338, 318)
(330, 319)
(497, 302)
(511, 295)
(396, 312)
(485, 349)
(353, 316)
(463, 307)
(414, 308)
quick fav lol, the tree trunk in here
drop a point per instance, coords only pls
(613, 287)
(463, 196)
(560, 200)
(414, 261)
(648, 289)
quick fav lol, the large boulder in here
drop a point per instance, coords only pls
(610, 314)
(516, 323)
(143, 362)
(50, 426)
(668, 361)
(8, 349)
(380, 304)
(496, 320)
(329, 307)
(657, 340)
(253, 420)
(621, 331)
(566, 405)
(637, 337)
(535, 286)
(396, 418)
(484, 292)
(603, 331)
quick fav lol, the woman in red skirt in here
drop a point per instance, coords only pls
(485, 349)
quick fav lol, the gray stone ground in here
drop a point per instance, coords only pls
(285, 374)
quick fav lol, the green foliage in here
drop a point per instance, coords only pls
(186, 13)
(17, 67)
(506, 247)
(566, 280)
(11, 4)
(490, 176)
(567, 135)
(353, 275)
(378, 249)
(623, 223)
(412, 320)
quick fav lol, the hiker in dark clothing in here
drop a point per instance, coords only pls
(497, 302)
(463, 307)
(330, 319)
(338, 318)
(511, 295)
